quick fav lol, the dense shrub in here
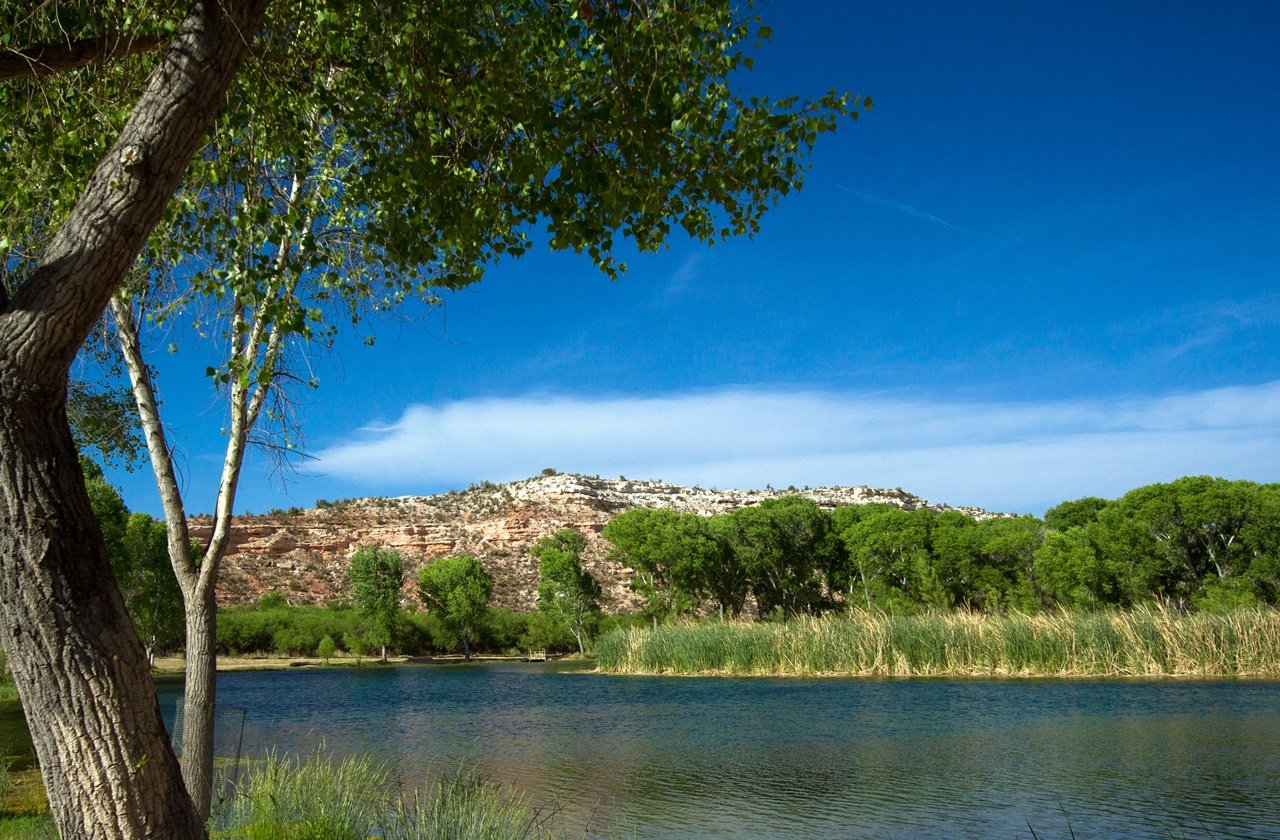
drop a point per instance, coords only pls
(289, 631)
(298, 631)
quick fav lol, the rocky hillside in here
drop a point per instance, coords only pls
(304, 553)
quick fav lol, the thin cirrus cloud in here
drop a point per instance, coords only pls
(1019, 457)
(1192, 328)
(914, 212)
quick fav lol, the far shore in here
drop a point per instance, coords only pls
(175, 665)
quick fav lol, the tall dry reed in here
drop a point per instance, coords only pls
(1147, 641)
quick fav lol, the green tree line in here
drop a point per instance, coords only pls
(1194, 543)
(273, 627)
(138, 552)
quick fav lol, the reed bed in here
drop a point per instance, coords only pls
(1143, 642)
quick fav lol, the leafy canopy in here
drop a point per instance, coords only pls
(457, 590)
(376, 577)
(672, 553)
(566, 592)
(433, 140)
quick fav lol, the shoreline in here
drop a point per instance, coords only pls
(164, 666)
(174, 666)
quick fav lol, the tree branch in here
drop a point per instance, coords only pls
(144, 396)
(48, 59)
(88, 257)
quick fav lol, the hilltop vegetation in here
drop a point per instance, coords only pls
(304, 553)
(1195, 543)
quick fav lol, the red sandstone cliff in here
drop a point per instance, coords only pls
(304, 554)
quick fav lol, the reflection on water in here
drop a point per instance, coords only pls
(676, 758)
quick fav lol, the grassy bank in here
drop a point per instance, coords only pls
(1142, 642)
(321, 797)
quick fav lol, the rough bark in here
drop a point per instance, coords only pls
(79, 667)
(80, 670)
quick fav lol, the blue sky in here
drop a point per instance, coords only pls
(1047, 265)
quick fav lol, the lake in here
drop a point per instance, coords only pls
(686, 757)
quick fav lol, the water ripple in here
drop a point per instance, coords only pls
(723, 758)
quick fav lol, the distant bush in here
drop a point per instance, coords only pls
(273, 600)
(501, 630)
(300, 630)
(547, 632)
(289, 631)
(609, 623)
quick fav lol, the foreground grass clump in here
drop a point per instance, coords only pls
(1142, 642)
(24, 810)
(27, 828)
(321, 798)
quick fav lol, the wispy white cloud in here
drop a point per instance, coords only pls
(1194, 328)
(899, 206)
(685, 276)
(1006, 456)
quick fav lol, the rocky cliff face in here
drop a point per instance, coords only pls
(305, 553)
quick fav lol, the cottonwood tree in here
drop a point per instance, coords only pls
(264, 248)
(671, 552)
(469, 123)
(886, 547)
(788, 548)
(376, 575)
(79, 667)
(566, 591)
(1005, 576)
(457, 590)
(1072, 573)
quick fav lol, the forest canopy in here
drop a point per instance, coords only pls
(1194, 543)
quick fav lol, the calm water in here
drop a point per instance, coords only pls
(679, 758)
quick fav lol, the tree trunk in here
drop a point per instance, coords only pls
(80, 669)
(198, 703)
(466, 648)
(78, 665)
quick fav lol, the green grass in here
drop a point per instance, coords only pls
(27, 828)
(323, 798)
(1142, 642)
(24, 811)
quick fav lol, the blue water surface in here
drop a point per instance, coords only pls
(791, 758)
